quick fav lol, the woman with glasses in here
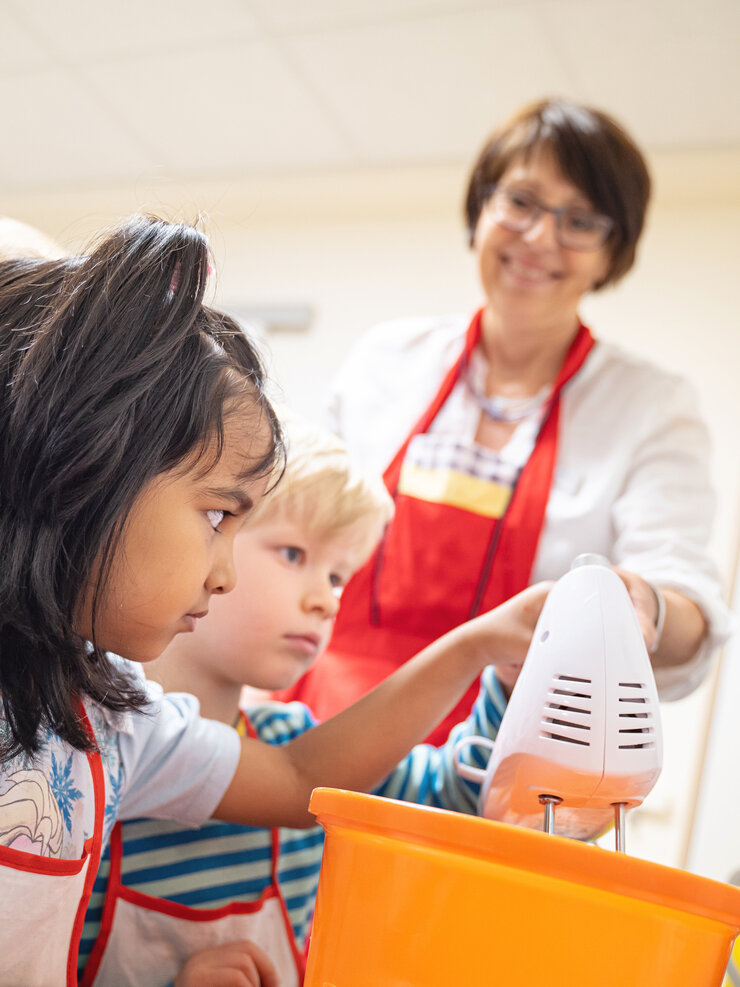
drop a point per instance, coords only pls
(515, 441)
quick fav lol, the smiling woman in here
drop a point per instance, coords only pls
(514, 441)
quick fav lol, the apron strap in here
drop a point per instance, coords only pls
(95, 845)
(298, 956)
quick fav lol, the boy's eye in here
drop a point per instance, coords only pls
(337, 584)
(215, 517)
(292, 554)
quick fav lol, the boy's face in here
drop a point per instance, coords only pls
(278, 621)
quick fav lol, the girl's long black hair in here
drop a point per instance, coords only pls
(112, 371)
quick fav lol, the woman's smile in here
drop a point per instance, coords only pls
(528, 269)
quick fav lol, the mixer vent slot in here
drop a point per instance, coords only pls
(636, 735)
(566, 709)
(566, 740)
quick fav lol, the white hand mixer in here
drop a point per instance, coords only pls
(581, 734)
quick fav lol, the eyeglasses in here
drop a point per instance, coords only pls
(575, 229)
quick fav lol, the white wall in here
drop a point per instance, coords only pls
(364, 246)
(714, 850)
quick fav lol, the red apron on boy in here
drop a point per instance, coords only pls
(439, 564)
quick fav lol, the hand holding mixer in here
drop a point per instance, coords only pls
(581, 734)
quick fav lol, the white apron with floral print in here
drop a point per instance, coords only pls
(52, 816)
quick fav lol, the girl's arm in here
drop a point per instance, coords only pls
(357, 748)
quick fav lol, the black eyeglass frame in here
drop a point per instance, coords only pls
(606, 223)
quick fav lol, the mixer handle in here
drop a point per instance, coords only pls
(467, 771)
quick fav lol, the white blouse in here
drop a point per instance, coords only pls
(632, 475)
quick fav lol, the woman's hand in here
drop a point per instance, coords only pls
(645, 602)
(234, 964)
(684, 624)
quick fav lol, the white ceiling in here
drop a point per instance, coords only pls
(96, 92)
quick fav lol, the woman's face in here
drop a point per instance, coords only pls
(529, 277)
(177, 548)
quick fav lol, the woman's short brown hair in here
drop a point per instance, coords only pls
(592, 151)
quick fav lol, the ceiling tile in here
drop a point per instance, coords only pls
(20, 51)
(669, 70)
(430, 89)
(58, 133)
(238, 107)
(96, 29)
(297, 15)
(97, 91)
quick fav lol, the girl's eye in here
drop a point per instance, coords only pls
(215, 517)
(292, 554)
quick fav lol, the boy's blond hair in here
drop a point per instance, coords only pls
(322, 487)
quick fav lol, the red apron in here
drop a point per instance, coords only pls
(145, 940)
(438, 564)
(44, 899)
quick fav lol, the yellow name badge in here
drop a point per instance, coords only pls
(447, 486)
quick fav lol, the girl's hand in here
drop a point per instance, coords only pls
(234, 964)
(513, 624)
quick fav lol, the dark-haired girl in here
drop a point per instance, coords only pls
(134, 440)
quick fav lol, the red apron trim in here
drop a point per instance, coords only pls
(33, 863)
(112, 894)
(177, 910)
(96, 845)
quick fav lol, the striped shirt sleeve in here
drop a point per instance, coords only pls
(428, 776)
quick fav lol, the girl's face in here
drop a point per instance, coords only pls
(177, 548)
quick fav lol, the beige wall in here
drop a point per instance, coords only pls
(365, 246)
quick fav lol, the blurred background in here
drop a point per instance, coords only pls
(325, 147)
